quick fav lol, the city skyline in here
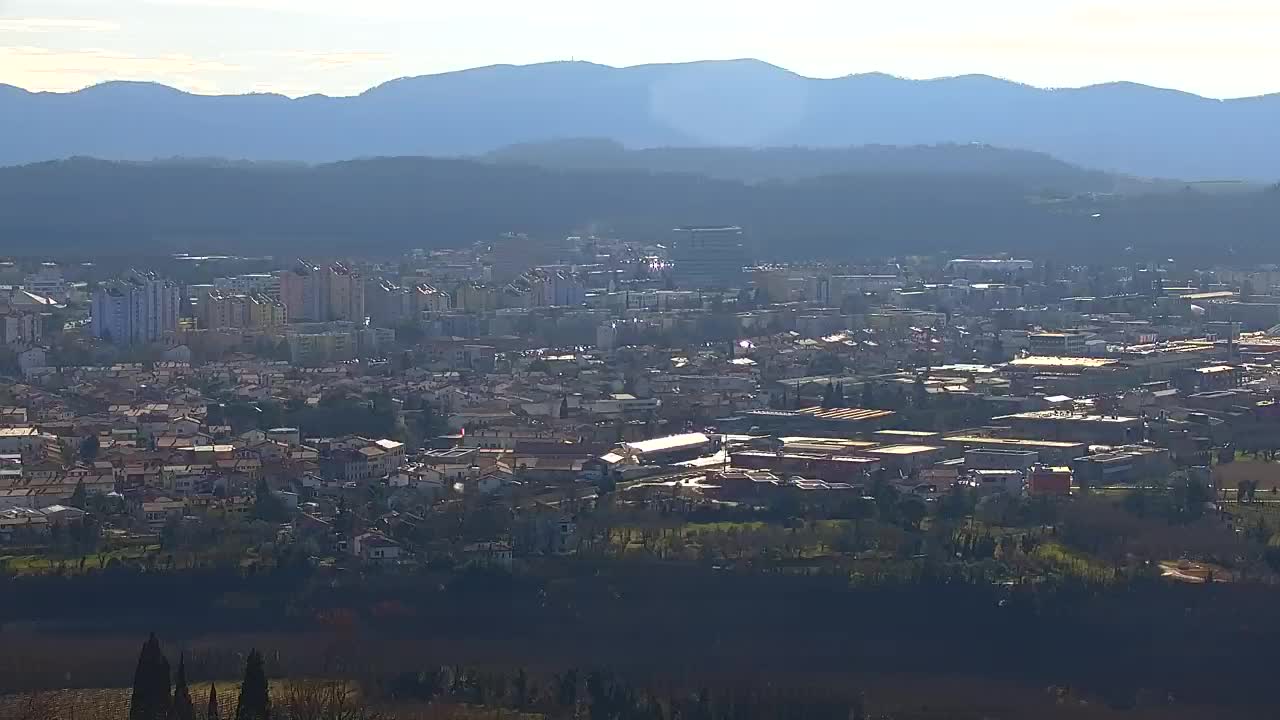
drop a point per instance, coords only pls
(298, 48)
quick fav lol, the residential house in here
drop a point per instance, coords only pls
(372, 547)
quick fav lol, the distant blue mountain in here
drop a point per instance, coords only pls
(1119, 127)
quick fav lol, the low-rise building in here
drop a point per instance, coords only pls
(1123, 465)
(1075, 427)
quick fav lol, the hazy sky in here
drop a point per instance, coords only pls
(1219, 48)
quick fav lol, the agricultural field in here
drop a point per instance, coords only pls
(113, 704)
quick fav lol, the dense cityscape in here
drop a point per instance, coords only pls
(538, 420)
(399, 360)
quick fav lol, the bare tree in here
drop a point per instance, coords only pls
(322, 700)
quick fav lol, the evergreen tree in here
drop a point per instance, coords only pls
(564, 408)
(266, 506)
(920, 393)
(839, 398)
(151, 694)
(254, 702)
(212, 712)
(89, 448)
(181, 709)
(79, 496)
(868, 396)
(829, 396)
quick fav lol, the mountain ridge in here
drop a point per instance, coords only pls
(1120, 127)
(873, 74)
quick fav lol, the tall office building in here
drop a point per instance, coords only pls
(708, 257)
(139, 309)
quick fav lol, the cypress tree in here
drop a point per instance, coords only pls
(164, 688)
(212, 712)
(140, 700)
(254, 702)
(150, 699)
(181, 709)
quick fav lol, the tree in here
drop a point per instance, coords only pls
(151, 697)
(567, 689)
(564, 408)
(322, 700)
(89, 448)
(181, 709)
(995, 352)
(212, 713)
(956, 504)
(868, 395)
(920, 393)
(267, 506)
(829, 396)
(839, 397)
(520, 690)
(254, 702)
(79, 496)
(913, 511)
(169, 533)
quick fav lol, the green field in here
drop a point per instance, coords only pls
(43, 564)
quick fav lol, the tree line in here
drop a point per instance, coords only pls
(80, 206)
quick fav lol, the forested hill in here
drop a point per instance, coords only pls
(1118, 127)
(1034, 170)
(107, 208)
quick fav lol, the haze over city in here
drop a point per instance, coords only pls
(297, 47)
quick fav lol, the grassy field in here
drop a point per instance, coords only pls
(738, 540)
(1070, 562)
(1266, 474)
(43, 564)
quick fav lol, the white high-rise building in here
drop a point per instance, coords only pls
(139, 309)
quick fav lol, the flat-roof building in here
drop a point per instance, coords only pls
(1061, 344)
(821, 422)
(1078, 427)
(1048, 451)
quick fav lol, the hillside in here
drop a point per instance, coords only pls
(1118, 127)
(1036, 171)
(101, 208)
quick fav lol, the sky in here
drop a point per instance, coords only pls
(1216, 48)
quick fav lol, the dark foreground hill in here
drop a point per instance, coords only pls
(94, 207)
(1122, 127)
